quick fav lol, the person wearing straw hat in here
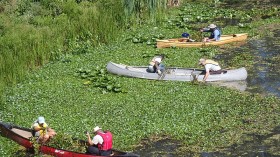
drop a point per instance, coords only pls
(215, 33)
(101, 143)
(41, 130)
(209, 66)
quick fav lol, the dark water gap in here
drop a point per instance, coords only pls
(263, 77)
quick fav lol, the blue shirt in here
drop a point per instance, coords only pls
(216, 34)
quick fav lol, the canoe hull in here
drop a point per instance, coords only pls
(225, 39)
(175, 74)
(21, 136)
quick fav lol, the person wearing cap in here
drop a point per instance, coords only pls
(156, 65)
(215, 33)
(209, 66)
(186, 38)
(41, 130)
(101, 143)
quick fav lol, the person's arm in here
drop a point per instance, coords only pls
(206, 76)
(207, 72)
(157, 62)
(156, 65)
(38, 128)
(89, 139)
(204, 30)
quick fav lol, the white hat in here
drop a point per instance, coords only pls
(96, 129)
(212, 26)
(41, 120)
(201, 60)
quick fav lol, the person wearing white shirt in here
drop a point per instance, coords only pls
(156, 65)
(101, 144)
(209, 65)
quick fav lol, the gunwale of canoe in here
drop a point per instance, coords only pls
(225, 39)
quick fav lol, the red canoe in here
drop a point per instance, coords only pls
(22, 135)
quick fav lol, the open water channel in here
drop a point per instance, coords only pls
(263, 78)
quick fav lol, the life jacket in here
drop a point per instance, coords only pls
(45, 125)
(107, 141)
(208, 61)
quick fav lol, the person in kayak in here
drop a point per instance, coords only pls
(186, 38)
(101, 143)
(209, 66)
(42, 131)
(215, 33)
(156, 65)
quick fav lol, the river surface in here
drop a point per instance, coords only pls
(263, 78)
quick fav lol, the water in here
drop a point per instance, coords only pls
(263, 79)
(257, 146)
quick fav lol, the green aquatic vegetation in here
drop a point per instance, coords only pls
(67, 142)
(202, 117)
(185, 111)
(99, 78)
(241, 59)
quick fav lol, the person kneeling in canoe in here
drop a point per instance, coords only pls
(215, 33)
(156, 65)
(41, 130)
(209, 66)
(101, 144)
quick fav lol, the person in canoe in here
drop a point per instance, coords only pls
(156, 65)
(215, 33)
(209, 66)
(101, 143)
(41, 130)
(186, 38)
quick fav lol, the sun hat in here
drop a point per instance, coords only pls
(41, 120)
(212, 26)
(96, 129)
(201, 60)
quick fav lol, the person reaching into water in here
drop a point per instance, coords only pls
(215, 33)
(156, 65)
(101, 144)
(41, 130)
(209, 66)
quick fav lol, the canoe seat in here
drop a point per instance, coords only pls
(23, 133)
(214, 72)
(218, 72)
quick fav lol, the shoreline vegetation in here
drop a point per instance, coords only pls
(53, 56)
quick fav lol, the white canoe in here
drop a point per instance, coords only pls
(176, 74)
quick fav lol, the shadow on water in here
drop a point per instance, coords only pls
(263, 77)
(253, 145)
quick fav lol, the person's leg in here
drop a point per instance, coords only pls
(92, 150)
(51, 132)
(105, 153)
(45, 138)
(161, 67)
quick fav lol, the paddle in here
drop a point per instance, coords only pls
(162, 75)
